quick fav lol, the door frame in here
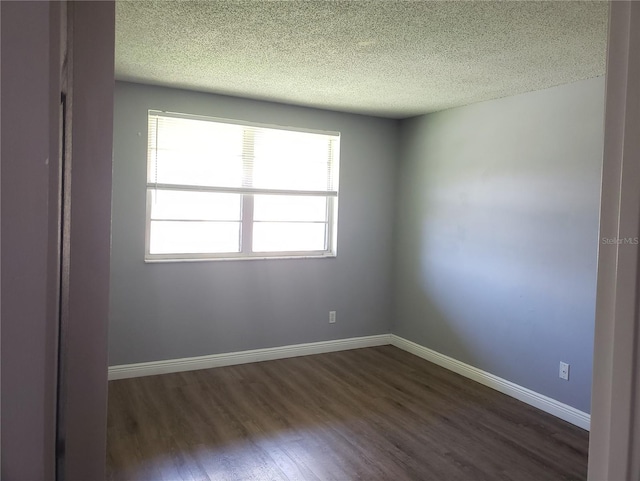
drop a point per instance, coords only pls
(614, 453)
(85, 246)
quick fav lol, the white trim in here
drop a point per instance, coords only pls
(157, 259)
(125, 371)
(244, 123)
(544, 403)
(241, 190)
(551, 406)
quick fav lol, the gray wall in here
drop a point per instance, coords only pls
(497, 235)
(175, 310)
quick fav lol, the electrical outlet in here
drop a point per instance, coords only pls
(332, 317)
(564, 371)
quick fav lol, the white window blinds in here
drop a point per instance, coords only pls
(223, 188)
(212, 153)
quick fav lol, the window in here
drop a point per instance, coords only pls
(225, 189)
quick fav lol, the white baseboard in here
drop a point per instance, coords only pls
(551, 406)
(125, 371)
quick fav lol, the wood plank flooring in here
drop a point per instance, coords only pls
(367, 414)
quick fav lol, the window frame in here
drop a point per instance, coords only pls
(246, 202)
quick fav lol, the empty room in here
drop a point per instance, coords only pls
(320, 240)
(355, 240)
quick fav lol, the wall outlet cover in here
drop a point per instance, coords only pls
(564, 371)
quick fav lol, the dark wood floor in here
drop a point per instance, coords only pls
(367, 414)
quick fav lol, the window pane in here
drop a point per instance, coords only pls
(286, 236)
(285, 207)
(291, 160)
(195, 152)
(194, 237)
(196, 168)
(171, 204)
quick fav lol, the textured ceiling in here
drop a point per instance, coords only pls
(388, 58)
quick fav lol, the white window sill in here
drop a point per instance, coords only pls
(243, 258)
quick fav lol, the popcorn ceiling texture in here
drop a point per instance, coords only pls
(388, 58)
